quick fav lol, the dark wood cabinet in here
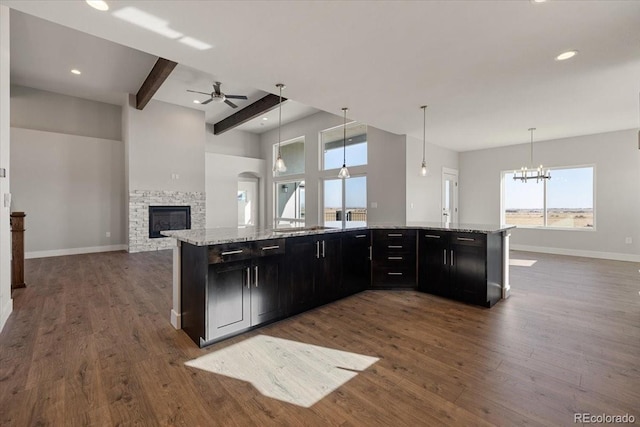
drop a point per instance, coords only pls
(394, 259)
(433, 264)
(356, 261)
(458, 265)
(314, 270)
(229, 298)
(229, 288)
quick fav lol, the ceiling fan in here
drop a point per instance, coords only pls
(218, 96)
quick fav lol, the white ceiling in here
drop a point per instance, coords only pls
(485, 68)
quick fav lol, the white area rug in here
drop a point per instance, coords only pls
(294, 372)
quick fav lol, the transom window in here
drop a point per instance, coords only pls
(293, 155)
(566, 201)
(332, 146)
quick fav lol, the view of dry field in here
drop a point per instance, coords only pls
(570, 218)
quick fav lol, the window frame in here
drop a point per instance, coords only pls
(503, 222)
(274, 155)
(321, 166)
(321, 182)
(289, 180)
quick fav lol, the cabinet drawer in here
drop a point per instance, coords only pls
(269, 247)
(469, 239)
(229, 252)
(394, 275)
(405, 238)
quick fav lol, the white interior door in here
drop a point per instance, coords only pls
(449, 196)
(248, 202)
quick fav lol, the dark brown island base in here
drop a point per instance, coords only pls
(227, 281)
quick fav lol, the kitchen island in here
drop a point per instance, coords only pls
(229, 280)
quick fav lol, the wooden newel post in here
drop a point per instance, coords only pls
(17, 250)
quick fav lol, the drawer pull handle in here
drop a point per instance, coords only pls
(394, 274)
(444, 252)
(432, 236)
(268, 248)
(394, 257)
(466, 239)
(239, 251)
(394, 234)
(360, 236)
(395, 246)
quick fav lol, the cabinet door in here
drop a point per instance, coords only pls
(228, 296)
(356, 262)
(433, 263)
(265, 290)
(301, 264)
(330, 269)
(468, 273)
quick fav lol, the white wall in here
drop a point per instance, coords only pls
(424, 193)
(161, 140)
(6, 303)
(52, 112)
(233, 143)
(385, 170)
(221, 186)
(617, 201)
(72, 190)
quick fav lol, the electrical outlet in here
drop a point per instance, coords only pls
(108, 234)
(628, 240)
(374, 205)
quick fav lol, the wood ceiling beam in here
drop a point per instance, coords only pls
(157, 76)
(261, 106)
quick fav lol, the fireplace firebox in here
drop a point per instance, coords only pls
(163, 218)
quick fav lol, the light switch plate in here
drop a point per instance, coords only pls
(7, 200)
(3, 172)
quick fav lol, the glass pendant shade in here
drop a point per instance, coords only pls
(344, 172)
(424, 170)
(280, 166)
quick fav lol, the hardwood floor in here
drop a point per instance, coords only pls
(89, 343)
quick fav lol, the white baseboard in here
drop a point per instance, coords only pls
(5, 312)
(576, 252)
(176, 319)
(74, 251)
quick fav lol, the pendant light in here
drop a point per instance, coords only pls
(344, 172)
(526, 174)
(423, 168)
(279, 165)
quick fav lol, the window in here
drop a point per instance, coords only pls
(565, 201)
(345, 202)
(293, 155)
(289, 204)
(332, 146)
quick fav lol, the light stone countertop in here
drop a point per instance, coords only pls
(215, 236)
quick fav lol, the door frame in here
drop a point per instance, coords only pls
(449, 171)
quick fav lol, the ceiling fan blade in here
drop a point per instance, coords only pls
(206, 102)
(235, 96)
(195, 91)
(230, 104)
(216, 88)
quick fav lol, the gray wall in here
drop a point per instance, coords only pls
(68, 173)
(48, 111)
(6, 303)
(71, 188)
(424, 193)
(233, 143)
(617, 200)
(163, 140)
(386, 184)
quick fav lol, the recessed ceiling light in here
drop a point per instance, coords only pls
(265, 118)
(195, 101)
(566, 55)
(98, 4)
(76, 72)
(538, 1)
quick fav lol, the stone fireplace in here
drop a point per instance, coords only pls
(150, 211)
